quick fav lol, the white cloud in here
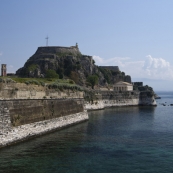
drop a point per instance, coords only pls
(153, 68)
(1, 53)
(158, 68)
(111, 61)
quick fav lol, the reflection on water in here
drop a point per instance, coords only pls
(123, 139)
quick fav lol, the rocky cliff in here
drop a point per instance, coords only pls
(69, 62)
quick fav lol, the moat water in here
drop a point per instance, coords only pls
(115, 140)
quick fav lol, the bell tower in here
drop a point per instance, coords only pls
(3, 70)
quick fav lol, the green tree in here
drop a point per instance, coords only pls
(51, 74)
(93, 80)
(32, 67)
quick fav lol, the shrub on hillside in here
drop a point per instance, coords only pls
(62, 86)
(93, 80)
(51, 74)
(34, 82)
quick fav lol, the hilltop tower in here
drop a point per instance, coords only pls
(77, 46)
(3, 70)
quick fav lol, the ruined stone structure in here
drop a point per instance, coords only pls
(3, 70)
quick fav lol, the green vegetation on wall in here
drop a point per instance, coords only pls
(32, 67)
(106, 73)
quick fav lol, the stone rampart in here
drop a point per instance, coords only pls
(24, 118)
(23, 91)
(103, 99)
(20, 119)
(30, 111)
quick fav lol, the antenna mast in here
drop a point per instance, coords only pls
(47, 40)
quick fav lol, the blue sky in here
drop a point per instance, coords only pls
(135, 35)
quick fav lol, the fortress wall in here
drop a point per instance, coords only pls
(101, 104)
(119, 95)
(23, 91)
(30, 111)
(25, 118)
(20, 119)
(129, 98)
(57, 49)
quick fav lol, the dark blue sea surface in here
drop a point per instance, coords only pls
(114, 140)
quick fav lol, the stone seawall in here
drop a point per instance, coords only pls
(101, 104)
(22, 119)
(109, 99)
(30, 111)
(25, 118)
(23, 132)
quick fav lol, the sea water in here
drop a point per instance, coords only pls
(114, 140)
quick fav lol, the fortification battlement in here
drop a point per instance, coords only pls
(74, 50)
(113, 68)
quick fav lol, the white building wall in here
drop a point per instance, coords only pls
(129, 88)
(123, 87)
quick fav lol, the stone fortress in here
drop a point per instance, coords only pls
(27, 111)
(69, 62)
(72, 50)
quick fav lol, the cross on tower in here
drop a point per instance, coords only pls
(47, 40)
